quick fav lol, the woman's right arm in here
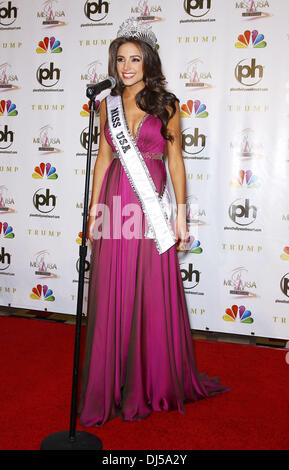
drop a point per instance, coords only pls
(104, 158)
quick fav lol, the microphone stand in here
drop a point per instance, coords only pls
(72, 439)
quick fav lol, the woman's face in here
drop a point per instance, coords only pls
(129, 64)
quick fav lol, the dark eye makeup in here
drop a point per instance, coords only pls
(134, 59)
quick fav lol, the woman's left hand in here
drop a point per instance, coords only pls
(181, 231)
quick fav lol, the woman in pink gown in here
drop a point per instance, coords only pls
(138, 354)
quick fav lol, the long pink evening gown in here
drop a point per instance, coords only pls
(138, 353)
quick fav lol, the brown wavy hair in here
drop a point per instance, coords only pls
(153, 98)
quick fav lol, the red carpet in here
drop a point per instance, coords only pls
(35, 387)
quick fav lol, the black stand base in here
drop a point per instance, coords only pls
(61, 441)
(78, 440)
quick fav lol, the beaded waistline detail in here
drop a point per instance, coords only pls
(151, 155)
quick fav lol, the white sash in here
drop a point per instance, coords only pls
(139, 177)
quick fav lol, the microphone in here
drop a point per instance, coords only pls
(93, 90)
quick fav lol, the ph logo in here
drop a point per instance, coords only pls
(5, 259)
(197, 8)
(242, 214)
(8, 14)
(248, 74)
(6, 137)
(284, 284)
(95, 139)
(96, 11)
(190, 277)
(86, 268)
(44, 202)
(193, 143)
(48, 76)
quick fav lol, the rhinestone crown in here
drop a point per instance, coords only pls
(133, 28)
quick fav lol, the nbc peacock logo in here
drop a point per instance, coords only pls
(6, 231)
(49, 45)
(194, 246)
(7, 108)
(85, 109)
(285, 254)
(245, 179)
(78, 239)
(42, 293)
(45, 170)
(250, 39)
(238, 314)
(194, 109)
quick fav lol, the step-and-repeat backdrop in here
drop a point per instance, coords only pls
(227, 61)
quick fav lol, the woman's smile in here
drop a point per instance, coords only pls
(128, 75)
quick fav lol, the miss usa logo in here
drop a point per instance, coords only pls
(253, 9)
(50, 16)
(8, 79)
